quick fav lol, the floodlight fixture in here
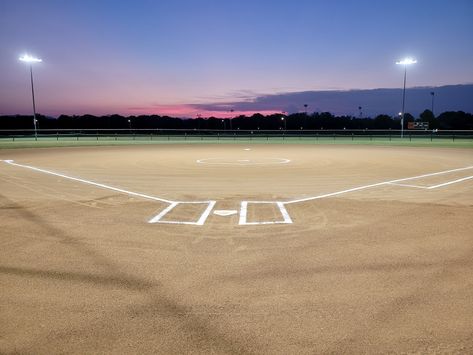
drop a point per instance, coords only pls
(30, 60)
(283, 118)
(406, 61)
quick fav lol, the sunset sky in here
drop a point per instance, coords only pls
(183, 57)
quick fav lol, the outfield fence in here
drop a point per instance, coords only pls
(228, 135)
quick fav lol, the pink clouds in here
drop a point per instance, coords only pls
(191, 111)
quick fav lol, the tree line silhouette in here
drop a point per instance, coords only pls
(452, 120)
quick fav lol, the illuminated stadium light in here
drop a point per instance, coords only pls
(406, 61)
(29, 59)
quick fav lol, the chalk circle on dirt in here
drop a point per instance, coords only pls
(252, 161)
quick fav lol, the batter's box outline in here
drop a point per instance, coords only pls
(244, 210)
(200, 221)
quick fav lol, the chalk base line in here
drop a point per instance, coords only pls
(243, 218)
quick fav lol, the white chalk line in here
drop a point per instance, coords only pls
(407, 185)
(156, 219)
(108, 187)
(450, 182)
(200, 222)
(243, 220)
(206, 213)
(225, 161)
(243, 212)
(287, 219)
(434, 186)
(384, 183)
(244, 204)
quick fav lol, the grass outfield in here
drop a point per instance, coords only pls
(46, 142)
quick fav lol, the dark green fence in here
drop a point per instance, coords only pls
(182, 134)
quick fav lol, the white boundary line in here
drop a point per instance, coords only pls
(203, 217)
(156, 219)
(407, 185)
(384, 183)
(244, 162)
(244, 204)
(103, 186)
(450, 182)
(244, 210)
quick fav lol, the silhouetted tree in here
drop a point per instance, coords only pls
(325, 120)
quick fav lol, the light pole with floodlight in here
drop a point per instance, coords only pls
(30, 60)
(405, 62)
(432, 93)
(283, 119)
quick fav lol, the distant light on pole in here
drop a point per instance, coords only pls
(432, 93)
(405, 62)
(231, 118)
(30, 60)
(283, 119)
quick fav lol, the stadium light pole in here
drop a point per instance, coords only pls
(230, 120)
(284, 119)
(405, 62)
(432, 93)
(30, 60)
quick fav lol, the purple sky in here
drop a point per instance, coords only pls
(183, 58)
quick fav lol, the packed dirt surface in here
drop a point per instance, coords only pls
(363, 263)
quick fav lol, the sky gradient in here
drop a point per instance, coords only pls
(183, 58)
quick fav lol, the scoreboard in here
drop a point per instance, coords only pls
(417, 125)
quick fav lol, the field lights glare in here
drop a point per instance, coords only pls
(29, 59)
(407, 61)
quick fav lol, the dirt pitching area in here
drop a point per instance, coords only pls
(236, 248)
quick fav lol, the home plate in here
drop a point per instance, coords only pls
(244, 161)
(225, 213)
(247, 149)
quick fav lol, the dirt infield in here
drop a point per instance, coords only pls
(236, 249)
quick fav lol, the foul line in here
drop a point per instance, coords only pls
(387, 183)
(131, 193)
(450, 182)
(407, 185)
(157, 219)
(244, 204)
